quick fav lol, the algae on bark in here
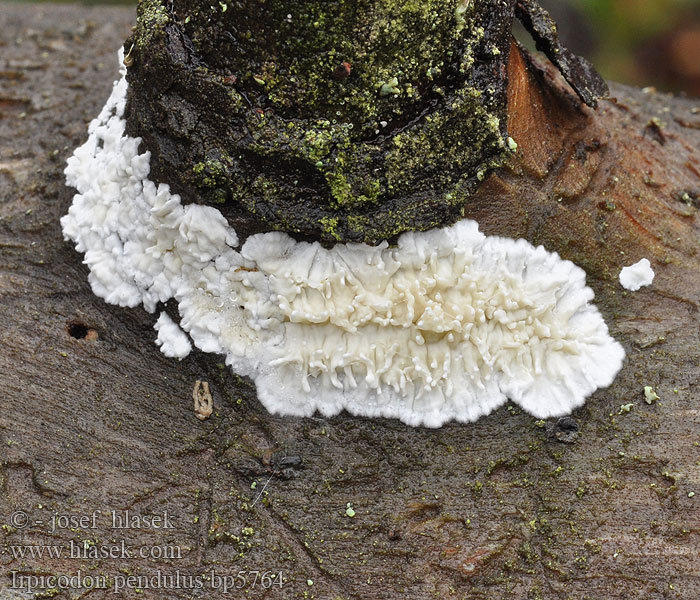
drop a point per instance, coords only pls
(338, 121)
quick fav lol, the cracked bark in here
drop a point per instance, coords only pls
(491, 509)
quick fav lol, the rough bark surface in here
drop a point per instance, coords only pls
(93, 418)
(246, 109)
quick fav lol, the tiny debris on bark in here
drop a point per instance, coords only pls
(203, 402)
(564, 430)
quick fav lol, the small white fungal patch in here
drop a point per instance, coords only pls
(637, 275)
(447, 325)
(173, 342)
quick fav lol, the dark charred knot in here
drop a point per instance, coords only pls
(335, 121)
(373, 124)
(564, 430)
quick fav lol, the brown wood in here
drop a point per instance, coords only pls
(99, 420)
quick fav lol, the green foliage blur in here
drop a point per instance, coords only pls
(639, 42)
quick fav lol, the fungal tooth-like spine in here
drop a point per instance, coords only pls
(173, 342)
(446, 325)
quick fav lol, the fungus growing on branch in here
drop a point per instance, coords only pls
(448, 324)
(330, 263)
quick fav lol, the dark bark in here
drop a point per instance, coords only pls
(244, 108)
(498, 508)
(577, 71)
(335, 121)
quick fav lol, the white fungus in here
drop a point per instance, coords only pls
(637, 275)
(448, 324)
(173, 342)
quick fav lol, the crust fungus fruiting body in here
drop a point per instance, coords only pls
(442, 324)
(638, 275)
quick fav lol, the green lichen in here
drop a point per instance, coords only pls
(390, 87)
(330, 227)
(336, 120)
(461, 11)
(210, 176)
(443, 138)
(153, 17)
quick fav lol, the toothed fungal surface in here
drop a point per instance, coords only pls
(447, 325)
(172, 341)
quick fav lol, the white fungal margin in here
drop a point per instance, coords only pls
(447, 325)
(638, 275)
(172, 341)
